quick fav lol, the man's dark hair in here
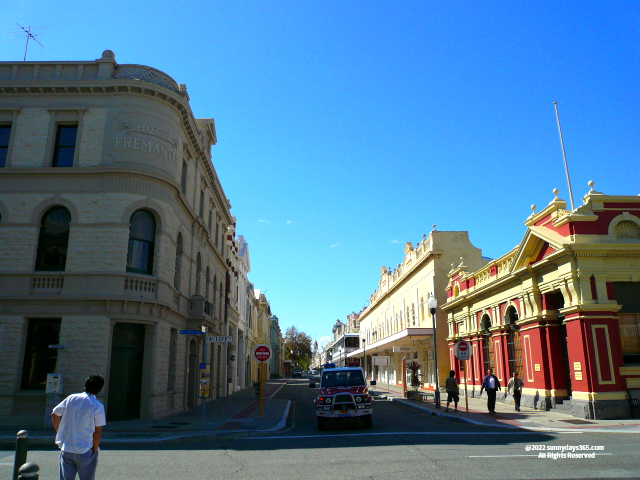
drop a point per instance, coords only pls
(452, 373)
(93, 384)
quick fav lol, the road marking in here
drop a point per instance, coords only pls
(296, 437)
(274, 393)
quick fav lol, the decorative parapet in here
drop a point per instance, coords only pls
(145, 74)
(413, 256)
(462, 282)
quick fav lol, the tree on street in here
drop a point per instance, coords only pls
(298, 347)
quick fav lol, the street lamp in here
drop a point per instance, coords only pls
(433, 303)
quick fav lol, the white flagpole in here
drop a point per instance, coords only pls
(566, 165)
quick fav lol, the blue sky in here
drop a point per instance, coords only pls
(347, 128)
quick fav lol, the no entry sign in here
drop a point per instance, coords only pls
(463, 350)
(262, 352)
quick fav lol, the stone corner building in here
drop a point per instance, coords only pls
(113, 227)
(562, 309)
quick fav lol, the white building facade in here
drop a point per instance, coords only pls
(112, 239)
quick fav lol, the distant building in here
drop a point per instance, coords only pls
(562, 309)
(397, 324)
(277, 346)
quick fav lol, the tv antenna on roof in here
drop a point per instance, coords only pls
(29, 37)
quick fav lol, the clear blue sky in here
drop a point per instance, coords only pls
(347, 128)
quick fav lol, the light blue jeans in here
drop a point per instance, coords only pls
(84, 464)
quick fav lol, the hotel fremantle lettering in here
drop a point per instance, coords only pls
(167, 149)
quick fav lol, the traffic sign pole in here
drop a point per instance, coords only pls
(466, 380)
(262, 390)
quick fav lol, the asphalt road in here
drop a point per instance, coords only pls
(402, 444)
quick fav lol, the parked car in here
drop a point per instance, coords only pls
(343, 393)
(297, 373)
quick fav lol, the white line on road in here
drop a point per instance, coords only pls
(296, 437)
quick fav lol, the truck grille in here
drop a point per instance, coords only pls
(343, 398)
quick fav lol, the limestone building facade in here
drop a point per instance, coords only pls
(113, 239)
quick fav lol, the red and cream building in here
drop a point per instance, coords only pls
(562, 308)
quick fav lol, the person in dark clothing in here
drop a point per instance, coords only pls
(491, 384)
(452, 390)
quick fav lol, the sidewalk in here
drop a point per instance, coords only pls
(232, 416)
(506, 416)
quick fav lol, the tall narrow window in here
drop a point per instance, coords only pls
(207, 279)
(202, 204)
(65, 146)
(210, 219)
(5, 134)
(142, 234)
(217, 232)
(39, 359)
(53, 241)
(198, 273)
(178, 269)
(183, 181)
(215, 290)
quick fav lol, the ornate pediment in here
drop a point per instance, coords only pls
(532, 244)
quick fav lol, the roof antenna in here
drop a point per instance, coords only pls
(566, 166)
(29, 36)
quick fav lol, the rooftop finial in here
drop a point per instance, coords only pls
(533, 207)
(434, 227)
(556, 192)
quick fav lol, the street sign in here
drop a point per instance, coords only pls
(401, 349)
(219, 339)
(463, 350)
(262, 352)
(381, 360)
(191, 332)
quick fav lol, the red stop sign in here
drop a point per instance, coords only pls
(463, 346)
(262, 353)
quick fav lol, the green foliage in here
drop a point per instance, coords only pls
(298, 348)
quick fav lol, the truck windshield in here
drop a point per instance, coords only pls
(350, 378)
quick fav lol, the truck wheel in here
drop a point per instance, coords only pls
(322, 423)
(368, 421)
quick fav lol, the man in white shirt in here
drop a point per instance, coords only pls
(78, 421)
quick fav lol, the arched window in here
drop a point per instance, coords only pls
(513, 343)
(53, 241)
(198, 273)
(178, 270)
(142, 235)
(485, 324)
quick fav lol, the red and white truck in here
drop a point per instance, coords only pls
(343, 393)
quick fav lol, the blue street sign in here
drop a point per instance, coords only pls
(191, 332)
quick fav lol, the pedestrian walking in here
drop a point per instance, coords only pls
(453, 391)
(491, 384)
(515, 385)
(78, 422)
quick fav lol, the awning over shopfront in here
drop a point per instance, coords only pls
(405, 337)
